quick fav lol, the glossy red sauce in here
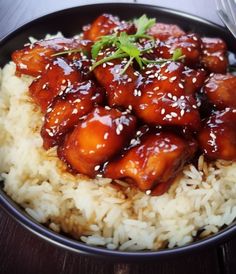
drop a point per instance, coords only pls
(139, 125)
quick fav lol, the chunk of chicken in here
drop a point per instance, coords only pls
(217, 139)
(190, 45)
(33, 59)
(214, 57)
(56, 77)
(154, 162)
(97, 139)
(163, 31)
(67, 109)
(162, 98)
(120, 87)
(106, 24)
(221, 90)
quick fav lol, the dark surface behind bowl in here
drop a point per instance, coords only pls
(70, 22)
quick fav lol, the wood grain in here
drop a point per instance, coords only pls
(23, 252)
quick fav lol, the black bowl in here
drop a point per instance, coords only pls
(70, 22)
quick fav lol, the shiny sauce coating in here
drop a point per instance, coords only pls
(140, 125)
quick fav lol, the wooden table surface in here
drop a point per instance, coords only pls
(23, 252)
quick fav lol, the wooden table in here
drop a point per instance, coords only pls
(23, 252)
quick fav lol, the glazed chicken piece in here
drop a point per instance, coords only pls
(106, 24)
(120, 87)
(32, 59)
(217, 139)
(166, 77)
(95, 140)
(162, 98)
(190, 44)
(163, 31)
(221, 90)
(67, 109)
(154, 163)
(214, 57)
(56, 77)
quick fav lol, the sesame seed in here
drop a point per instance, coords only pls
(173, 114)
(168, 116)
(175, 98)
(213, 136)
(172, 79)
(75, 111)
(104, 65)
(175, 104)
(169, 95)
(96, 167)
(194, 80)
(119, 129)
(134, 142)
(182, 112)
(163, 111)
(106, 136)
(156, 88)
(120, 126)
(77, 100)
(44, 86)
(181, 85)
(148, 192)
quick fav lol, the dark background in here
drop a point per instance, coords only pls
(23, 252)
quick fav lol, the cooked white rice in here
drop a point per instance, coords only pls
(93, 210)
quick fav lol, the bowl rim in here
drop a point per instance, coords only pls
(77, 246)
(188, 15)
